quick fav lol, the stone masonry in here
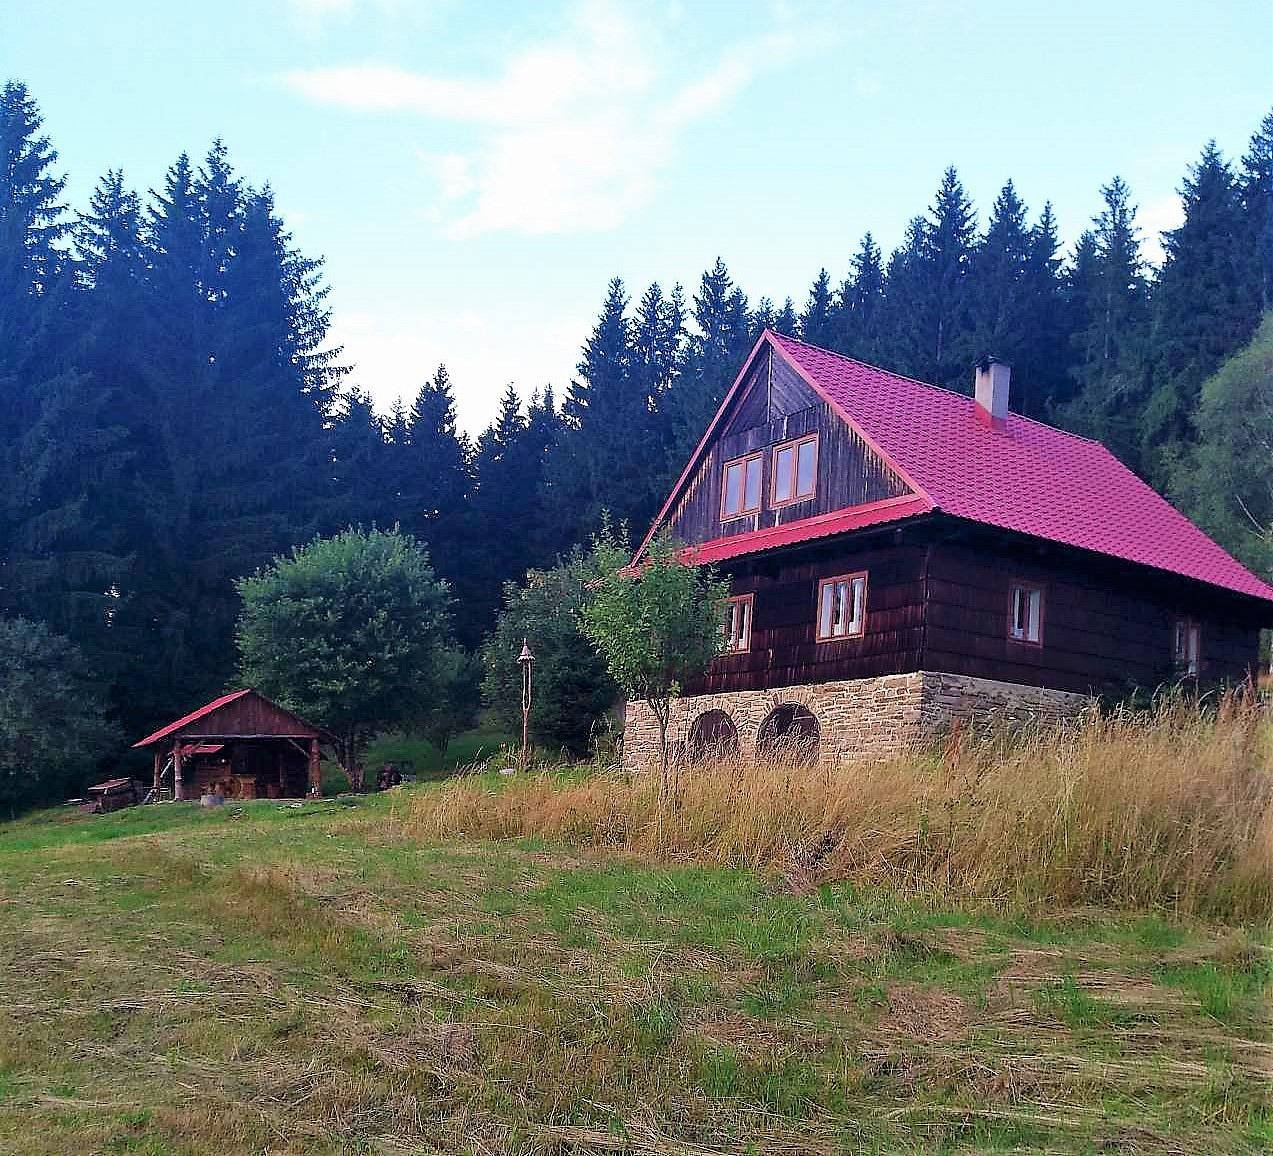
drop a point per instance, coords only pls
(858, 719)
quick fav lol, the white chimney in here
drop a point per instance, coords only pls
(993, 380)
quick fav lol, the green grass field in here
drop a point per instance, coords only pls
(305, 979)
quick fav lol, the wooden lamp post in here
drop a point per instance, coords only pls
(526, 661)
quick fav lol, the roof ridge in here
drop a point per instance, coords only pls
(929, 385)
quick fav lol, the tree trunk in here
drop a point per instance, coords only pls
(349, 760)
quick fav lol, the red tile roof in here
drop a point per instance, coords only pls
(193, 716)
(820, 526)
(1023, 476)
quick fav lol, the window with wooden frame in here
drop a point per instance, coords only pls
(1184, 647)
(738, 614)
(740, 488)
(841, 607)
(1025, 614)
(794, 472)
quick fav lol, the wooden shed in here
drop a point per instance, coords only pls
(240, 745)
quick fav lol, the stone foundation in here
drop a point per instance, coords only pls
(865, 718)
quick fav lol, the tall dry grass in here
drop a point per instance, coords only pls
(1171, 808)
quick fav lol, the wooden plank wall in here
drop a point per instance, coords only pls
(250, 715)
(783, 648)
(769, 412)
(942, 605)
(1104, 626)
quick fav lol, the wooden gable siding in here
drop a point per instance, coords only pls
(250, 715)
(773, 390)
(1105, 625)
(783, 651)
(775, 406)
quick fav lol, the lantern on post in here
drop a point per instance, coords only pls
(526, 661)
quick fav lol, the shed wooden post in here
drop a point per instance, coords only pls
(315, 771)
(177, 792)
(159, 770)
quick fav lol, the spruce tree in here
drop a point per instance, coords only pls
(32, 224)
(817, 322)
(1016, 305)
(1045, 358)
(860, 300)
(234, 385)
(1206, 304)
(948, 253)
(615, 441)
(998, 273)
(722, 339)
(363, 481)
(58, 447)
(657, 355)
(786, 321)
(656, 363)
(762, 317)
(505, 512)
(902, 325)
(1257, 202)
(1108, 303)
(927, 327)
(433, 481)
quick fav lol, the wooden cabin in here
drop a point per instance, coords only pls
(902, 555)
(242, 746)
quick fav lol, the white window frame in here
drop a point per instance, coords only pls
(746, 464)
(841, 607)
(775, 475)
(1186, 645)
(740, 613)
(1025, 613)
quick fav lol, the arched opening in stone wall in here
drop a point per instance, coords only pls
(790, 733)
(713, 736)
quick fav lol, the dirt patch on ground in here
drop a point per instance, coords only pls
(750, 1036)
(924, 1013)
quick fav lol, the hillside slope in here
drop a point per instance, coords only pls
(306, 979)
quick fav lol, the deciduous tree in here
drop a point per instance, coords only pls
(657, 624)
(352, 632)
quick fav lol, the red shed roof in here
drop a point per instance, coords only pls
(1022, 476)
(193, 716)
(183, 723)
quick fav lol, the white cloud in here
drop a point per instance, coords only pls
(571, 133)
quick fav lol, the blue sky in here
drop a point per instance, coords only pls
(475, 173)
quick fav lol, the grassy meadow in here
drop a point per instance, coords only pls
(379, 975)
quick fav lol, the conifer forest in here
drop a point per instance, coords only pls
(174, 414)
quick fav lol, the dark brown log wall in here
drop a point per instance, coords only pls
(939, 604)
(1105, 625)
(783, 648)
(778, 406)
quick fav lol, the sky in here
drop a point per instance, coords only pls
(475, 173)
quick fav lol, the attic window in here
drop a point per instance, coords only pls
(1185, 647)
(1025, 623)
(738, 612)
(841, 607)
(740, 493)
(795, 471)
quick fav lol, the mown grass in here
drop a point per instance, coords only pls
(317, 979)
